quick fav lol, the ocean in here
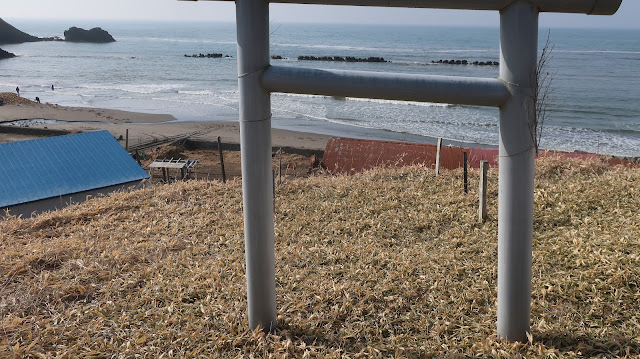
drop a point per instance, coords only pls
(594, 107)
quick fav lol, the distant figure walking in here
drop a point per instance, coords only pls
(18, 90)
(37, 99)
(52, 88)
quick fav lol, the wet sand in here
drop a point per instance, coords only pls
(143, 127)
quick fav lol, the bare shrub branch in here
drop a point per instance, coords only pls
(543, 79)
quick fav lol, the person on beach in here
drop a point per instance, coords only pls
(37, 99)
(51, 87)
(18, 90)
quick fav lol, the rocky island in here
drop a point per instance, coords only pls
(6, 54)
(95, 35)
(10, 35)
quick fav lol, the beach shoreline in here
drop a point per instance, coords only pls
(44, 119)
(142, 127)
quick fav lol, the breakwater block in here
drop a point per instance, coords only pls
(348, 155)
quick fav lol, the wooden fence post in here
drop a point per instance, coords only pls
(165, 175)
(224, 176)
(126, 141)
(466, 182)
(482, 210)
(138, 157)
(438, 155)
(280, 168)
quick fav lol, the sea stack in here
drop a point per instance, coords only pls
(95, 35)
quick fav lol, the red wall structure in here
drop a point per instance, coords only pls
(349, 155)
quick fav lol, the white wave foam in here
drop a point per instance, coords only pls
(8, 84)
(280, 94)
(70, 92)
(393, 102)
(589, 140)
(197, 92)
(327, 119)
(194, 102)
(141, 89)
(403, 103)
(380, 126)
(621, 52)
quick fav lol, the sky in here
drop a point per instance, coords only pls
(626, 17)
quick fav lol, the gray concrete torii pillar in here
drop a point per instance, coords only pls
(512, 93)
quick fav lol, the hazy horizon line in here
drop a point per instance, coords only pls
(496, 26)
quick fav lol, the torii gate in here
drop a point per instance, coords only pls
(511, 92)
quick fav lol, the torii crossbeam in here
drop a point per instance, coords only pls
(512, 93)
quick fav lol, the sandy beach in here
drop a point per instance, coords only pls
(143, 127)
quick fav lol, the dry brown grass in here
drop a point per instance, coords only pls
(11, 98)
(381, 264)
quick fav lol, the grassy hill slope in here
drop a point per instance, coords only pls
(385, 263)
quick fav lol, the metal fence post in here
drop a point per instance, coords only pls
(518, 58)
(252, 17)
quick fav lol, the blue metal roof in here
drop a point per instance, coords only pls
(56, 166)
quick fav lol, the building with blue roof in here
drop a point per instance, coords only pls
(50, 173)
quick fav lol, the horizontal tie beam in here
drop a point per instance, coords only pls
(591, 7)
(387, 86)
